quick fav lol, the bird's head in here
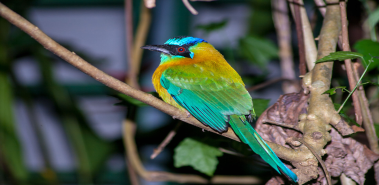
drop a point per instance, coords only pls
(182, 47)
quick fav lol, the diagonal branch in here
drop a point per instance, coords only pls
(166, 140)
(189, 7)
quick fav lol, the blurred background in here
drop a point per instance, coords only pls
(60, 126)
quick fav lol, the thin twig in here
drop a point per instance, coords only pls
(281, 124)
(348, 64)
(319, 160)
(149, 3)
(283, 29)
(132, 173)
(230, 152)
(128, 6)
(189, 7)
(368, 122)
(321, 6)
(300, 37)
(133, 158)
(141, 35)
(309, 41)
(166, 140)
(355, 87)
(267, 83)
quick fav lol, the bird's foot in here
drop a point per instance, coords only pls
(188, 114)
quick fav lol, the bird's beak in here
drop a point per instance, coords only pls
(159, 48)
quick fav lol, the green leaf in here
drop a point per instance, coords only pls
(257, 50)
(333, 90)
(340, 55)
(213, 26)
(200, 156)
(97, 148)
(376, 125)
(260, 106)
(368, 48)
(10, 147)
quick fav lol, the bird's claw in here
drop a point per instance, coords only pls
(188, 114)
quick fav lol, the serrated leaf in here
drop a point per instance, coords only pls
(213, 26)
(200, 156)
(333, 90)
(258, 50)
(368, 48)
(260, 105)
(340, 55)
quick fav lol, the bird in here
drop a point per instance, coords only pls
(195, 77)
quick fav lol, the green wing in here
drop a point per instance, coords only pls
(207, 95)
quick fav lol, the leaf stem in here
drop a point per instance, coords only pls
(357, 85)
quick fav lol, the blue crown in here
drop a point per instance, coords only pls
(184, 40)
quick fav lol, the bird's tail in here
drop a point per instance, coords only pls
(249, 136)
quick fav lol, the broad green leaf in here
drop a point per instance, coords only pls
(340, 55)
(257, 50)
(200, 156)
(260, 106)
(333, 90)
(213, 26)
(368, 48)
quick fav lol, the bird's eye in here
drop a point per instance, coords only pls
(181, 49)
